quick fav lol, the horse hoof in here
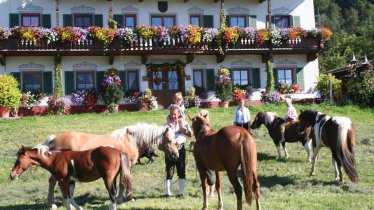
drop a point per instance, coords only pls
(312, 174)
(53, 207)
(286, 157)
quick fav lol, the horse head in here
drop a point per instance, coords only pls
(168, 145)
(199, 123)
(259, 120)
(307, 119)
(23, 162)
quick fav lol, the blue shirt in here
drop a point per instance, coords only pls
(242, 115)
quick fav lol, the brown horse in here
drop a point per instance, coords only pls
(70, 166)
(141, 135)
(273, 123)
(225, 150)
(338, 134)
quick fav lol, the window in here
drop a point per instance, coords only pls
(240, 77)
(165, 21)
(83, 21)
(29, 20)
(132, 81)
(85, 80)
(237, 21)
(284, 76)
(195, 20)
(198, 79)
(32, 81)
(282, 21)
(130, 21)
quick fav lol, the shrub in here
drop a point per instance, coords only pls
(273, 97)
(223, 86)
(112, 89)
(191, 99)
(323, 86)
(10, 95)
(360, 88)
(31, 98)
(58, 105)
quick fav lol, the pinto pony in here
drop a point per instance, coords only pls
(225, 150)
(273, 123)
(338, 134)
(71, 166)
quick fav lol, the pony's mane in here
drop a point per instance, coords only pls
(269, 117)
(142, 133)
(42, 149)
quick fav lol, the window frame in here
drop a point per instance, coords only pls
(196, 16)
(202, 77)
(82, 16)
(282, 17)
(129, 15)
(293, 77)
(249, 76)
(136, 79)
(85, 72)
(245, 17)
(40, 73)
(162, 19)
(30, 15)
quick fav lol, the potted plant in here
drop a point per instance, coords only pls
(238, 94)
(147, 101)
(87, 98)
(58, 105)
(31, 98)
(112, 89)
(223, 86)
(191, 99)
(10, 95)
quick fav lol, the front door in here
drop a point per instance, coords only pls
(164, 84)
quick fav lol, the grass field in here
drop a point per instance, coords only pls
(285, 184)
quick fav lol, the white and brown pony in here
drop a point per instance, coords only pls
(225, 150)
(78, 141)
(273, 123)
(338, 134)
(69, 167)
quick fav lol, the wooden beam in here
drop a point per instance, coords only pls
(190, 57)
(144, 58)
(220, 57)
(269, 14)
(2, 59)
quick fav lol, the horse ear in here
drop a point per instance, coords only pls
(166, 129)
(205, 116)
(189, 117)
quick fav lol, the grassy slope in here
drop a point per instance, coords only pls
(285, 184)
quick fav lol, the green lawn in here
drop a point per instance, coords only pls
(285, 184)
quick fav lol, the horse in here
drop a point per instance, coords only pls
(132, 143)
(148, 153)
(69, 167)
(273, 123)
(337, 133)
(225, 150)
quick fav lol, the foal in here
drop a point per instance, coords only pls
(69, 166)
(273, 123)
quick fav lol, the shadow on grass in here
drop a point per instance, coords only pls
(24, 206)
(270, 181)
(264, 157)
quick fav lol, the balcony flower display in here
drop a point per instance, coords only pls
(70, 34)
(263, 35)
(126, 34)
(223, 86)
(104, 35)
(209, 34)
(112, 89)
(230, 35)
(250, 33)
(161, 34)
(191, 34)
(58, 105)
(174, 31)
(296, 33)
(326, 33)
(4, 33)
(144, 32)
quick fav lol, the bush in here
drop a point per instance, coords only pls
(112, 89)
(323, 86)
(10, 95)
(191, 99)
(223, 86)
(360, 88)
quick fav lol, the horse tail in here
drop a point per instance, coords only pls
(125, 176)
(345, 153)
(247, 167)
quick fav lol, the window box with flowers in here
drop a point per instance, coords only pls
(103, 35)
(147, 101)
(58, 105)
(223, 86)
(112, 92)
(88, 98)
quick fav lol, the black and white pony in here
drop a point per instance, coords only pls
(273, 123)
(338, 134)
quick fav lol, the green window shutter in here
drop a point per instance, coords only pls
(208, 21)
(253, 21)
(256, 78)
(47, 82)
(275, 74)
(295, 21)
(13, 20)
(99, 80)
(227, 21)
(119, 19)
(46, 20)
(17, 75)
(210, 79)
(69, 82)
(300, 77)
(67, 20)
(122, 76)
(98, 20)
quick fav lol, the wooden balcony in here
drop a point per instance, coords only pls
(146, 47)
